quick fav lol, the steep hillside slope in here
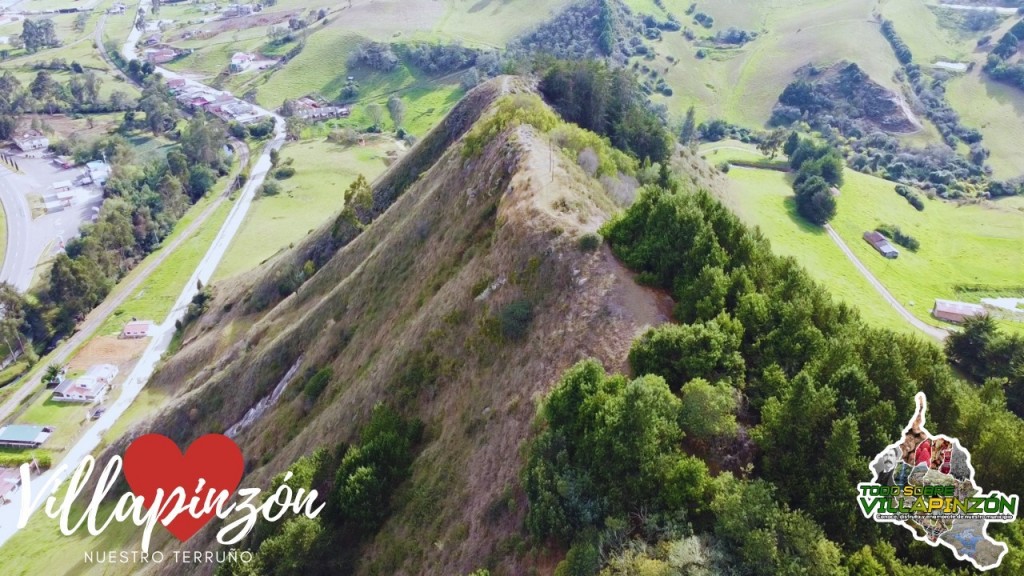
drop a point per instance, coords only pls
(413, 312)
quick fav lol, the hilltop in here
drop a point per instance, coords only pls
(414, 312)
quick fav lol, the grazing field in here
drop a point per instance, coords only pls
(929, 38)
(997, 110)
(961, 244)
(764, 198)
(319, 68)
(314, 194)
(492, 22)
(742, 84)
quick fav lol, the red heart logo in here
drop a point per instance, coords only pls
(154, 462)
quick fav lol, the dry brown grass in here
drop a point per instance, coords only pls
(406, 287)
(109, 350)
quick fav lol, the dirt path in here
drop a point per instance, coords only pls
(937, 333)
(909, 113)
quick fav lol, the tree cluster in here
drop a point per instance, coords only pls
(601, 29)
(827, 393)
(79, 94)
(984, 352)
(375, 56)
(437, 58)
(358, 482)
(819, 168)
(38, 35)
(900, 47)
(999, 65)
(143, 203)
(735, 36)
(607, 101)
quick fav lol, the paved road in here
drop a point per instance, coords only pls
(17, 259)
(934, 332)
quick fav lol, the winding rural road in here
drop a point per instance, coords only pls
(934, 332)
(18, 262)
(161, 334)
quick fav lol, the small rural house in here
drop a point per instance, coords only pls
(957, 312)
(31, 140)
(881, 243)
(24, 436)
(136, 329)
(239, 62)
(88, 388)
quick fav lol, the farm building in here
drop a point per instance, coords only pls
(881, 243)
(136, 329)
(24, 436)
(309, 108)
(161, 56)
(176, 84)
(958, 312)
(88, 388)
(31, 140)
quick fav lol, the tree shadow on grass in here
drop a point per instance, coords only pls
(789, 205)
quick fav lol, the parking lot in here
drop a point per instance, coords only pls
(45, 205)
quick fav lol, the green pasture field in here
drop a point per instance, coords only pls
(961, 244)
(997, 110)
(764, 198)
(742, 84)
(307, 199)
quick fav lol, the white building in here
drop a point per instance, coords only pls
(88, 388)
(31, 140)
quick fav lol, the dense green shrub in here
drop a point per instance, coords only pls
(515, 318)
(913, 198)
(270, 188)
(317, 383)
(894, 233)
(590, 242)
(284, 172)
